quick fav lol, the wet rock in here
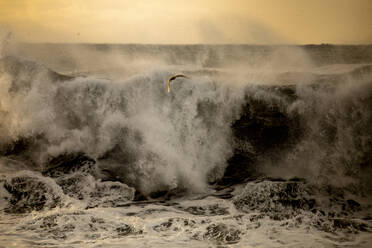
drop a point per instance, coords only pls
(222, 233)
(30, 193)
(69, 163)
(110, 194)
(77, 185)
(84, 186)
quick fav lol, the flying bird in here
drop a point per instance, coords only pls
(173, 78)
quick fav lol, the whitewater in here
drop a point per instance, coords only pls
(261, 146)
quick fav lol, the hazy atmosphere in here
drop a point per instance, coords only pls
(189, 21)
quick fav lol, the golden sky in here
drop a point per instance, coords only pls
(188, 21)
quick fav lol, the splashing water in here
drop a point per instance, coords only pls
(239, 150)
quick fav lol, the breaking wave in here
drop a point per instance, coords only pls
(207, 131)
(133, 129)
(258, 146)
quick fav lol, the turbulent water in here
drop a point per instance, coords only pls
(261, 146)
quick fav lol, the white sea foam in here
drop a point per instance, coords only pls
(138, 138)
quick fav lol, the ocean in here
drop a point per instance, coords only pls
(259, 146)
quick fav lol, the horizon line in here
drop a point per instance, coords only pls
(195, 44)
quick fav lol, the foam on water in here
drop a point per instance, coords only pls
(84, 157)
(133, 127)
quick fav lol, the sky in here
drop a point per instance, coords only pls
(188, 21)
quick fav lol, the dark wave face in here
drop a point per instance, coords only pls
(106, 137)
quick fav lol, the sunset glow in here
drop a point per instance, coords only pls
(191, 21)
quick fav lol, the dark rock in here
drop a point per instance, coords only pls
(110, 194)
(73, 185)
(69, 163)
(30, 193)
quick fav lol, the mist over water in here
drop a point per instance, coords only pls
(93, 127)
(150, 138)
